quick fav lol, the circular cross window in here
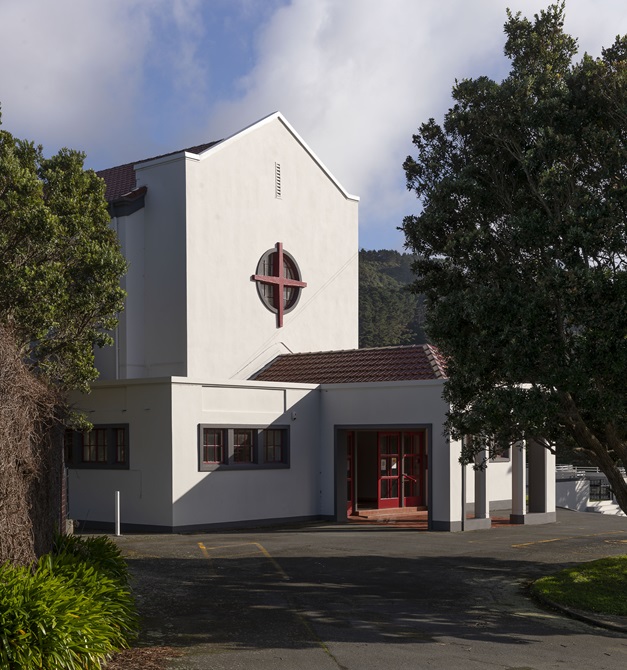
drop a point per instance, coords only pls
(279, 282)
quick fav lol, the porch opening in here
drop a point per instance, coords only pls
(386, 470)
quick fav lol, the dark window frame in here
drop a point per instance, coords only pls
(258, 459)
(502, 457)
(268, 292)
(74, 444)
(208, 449)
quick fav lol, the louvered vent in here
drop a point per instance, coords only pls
(277, 180)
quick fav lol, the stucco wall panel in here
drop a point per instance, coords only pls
(146, 487)
(229, 496)
(233, 218)
(165, 279)
(254, 400)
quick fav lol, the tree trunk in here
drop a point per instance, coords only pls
(29, 459)
(598, 450)
(45, 494)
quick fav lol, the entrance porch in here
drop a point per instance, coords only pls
(386, 469)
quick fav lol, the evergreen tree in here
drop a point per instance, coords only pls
(522, 246)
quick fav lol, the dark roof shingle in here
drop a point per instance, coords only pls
(385, 364)
(121, 179)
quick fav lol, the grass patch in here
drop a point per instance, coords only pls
(599, 586)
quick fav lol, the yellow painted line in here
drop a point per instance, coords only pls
(316, 638)
(299, 615)
(205, 553)
(555, 539)
(277, 567)
(229, 546)
(257, 545)
(570, 537)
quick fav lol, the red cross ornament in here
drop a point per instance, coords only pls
(280, 282)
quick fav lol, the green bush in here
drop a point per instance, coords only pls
(69, 612)
(100, 552)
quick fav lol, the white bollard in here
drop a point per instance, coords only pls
(117, 513)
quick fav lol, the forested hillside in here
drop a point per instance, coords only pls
(389, 314)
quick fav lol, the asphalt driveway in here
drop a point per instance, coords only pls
(360, 598)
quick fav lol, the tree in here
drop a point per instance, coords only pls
(61, 263)
(60, 269)
(389, 314)
(522, 247)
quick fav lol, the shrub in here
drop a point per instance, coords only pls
(100, 552)
(67, 613)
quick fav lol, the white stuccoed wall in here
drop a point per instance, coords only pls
(164, 487)
(192, 309)
(233, 217)
(227, 496)
(146, 487)
(499, 482)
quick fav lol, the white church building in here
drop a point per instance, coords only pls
(235, 394)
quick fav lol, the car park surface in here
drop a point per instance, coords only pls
(360, 597)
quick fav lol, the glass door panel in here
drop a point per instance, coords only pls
(389, 469)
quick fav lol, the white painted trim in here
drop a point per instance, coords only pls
(251, 383)
(383, 385)
(241, 133)
(187, 381)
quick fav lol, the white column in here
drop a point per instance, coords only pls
(117, 513)
(519, 483)
(482, 501)
(541, 482)
(445, 472)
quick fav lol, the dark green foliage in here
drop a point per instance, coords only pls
(389, 313)
(521, 246)
(61, 263)
(98, 551)
(72, 611)
(60, 270)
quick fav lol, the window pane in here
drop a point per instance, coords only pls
(273, 441)
(120, 445)
(243, 445)
(95, 446)
(212, 445)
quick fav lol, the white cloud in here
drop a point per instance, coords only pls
(74, 71)
(125, 79)
(357, 77)
(69, 68)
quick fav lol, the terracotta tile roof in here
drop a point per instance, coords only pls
(385, 364)
(121, 179)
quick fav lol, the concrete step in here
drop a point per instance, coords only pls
(393, 512)
(605, 507)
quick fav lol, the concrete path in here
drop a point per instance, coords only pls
(370, 597)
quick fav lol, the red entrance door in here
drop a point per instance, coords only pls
(401, 462)
(350, 473)
(413, 469)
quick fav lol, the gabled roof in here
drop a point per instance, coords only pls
(385, 364)
(121, 180)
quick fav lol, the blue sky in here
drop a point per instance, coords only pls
(127, 79)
